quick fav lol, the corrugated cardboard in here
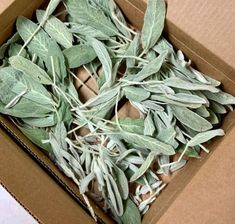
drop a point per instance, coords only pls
(203, 42)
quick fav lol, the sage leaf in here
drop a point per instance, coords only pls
(17, 82)
(103, 110)
(149, 127)
(98, 173)
(101, 80)
(133, 50)
(63, 112)
(104, 58)
(125, 154)
(14, 50)
(204, 137)
(163, 45)
(176, 166)
(191, 119)
(26, 108)
(56, 62)
(167, 100)
(186, 98)
(43, 122)
(29, 68)
(144, 167)
(153, 23)
(179, 135)
(221, 97)
(163, 159)
(131, 213)
(104, 5)
(85, 14)
(217, 108)
(168, 135)
(56, 29)
(87, 31)
(213, 119)
(132, 125)
(79, 55)
(150, 104)
(191, 152)
(148, 142)
(137, 160)
(151, 68)
(101, 98)
(53, 4)
(182, 84)
(40, 41)
(202, 111)
(71, 89)
(122, 182)
(135, 93)
(37, 135)
(114, 194)
(151, 55)
(85, 182)
(118, 19)
(60, 134)
(212, 81)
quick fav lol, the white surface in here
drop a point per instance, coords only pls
(11, 212)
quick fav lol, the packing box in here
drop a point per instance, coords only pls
(204, 190)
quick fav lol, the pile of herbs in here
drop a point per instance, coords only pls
(179, 107)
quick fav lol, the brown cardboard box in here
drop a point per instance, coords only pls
(203, 191)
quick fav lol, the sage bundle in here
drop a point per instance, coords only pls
(120, 162)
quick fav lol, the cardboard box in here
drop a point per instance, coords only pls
(206, 35)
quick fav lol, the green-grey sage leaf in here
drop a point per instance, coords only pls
(40, 42)
(182, 84)
(37, 135)
(204, 137)
(79, 55)
(149, 127)
(151, 68)
(131, 213)
(191, 119)
(29, 68)
(56, 29)
(144, 167)
(87, 15)
(148, 142)
(135, 93)
(105, 60)
(153, 23)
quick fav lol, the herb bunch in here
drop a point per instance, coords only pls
(179, 107)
